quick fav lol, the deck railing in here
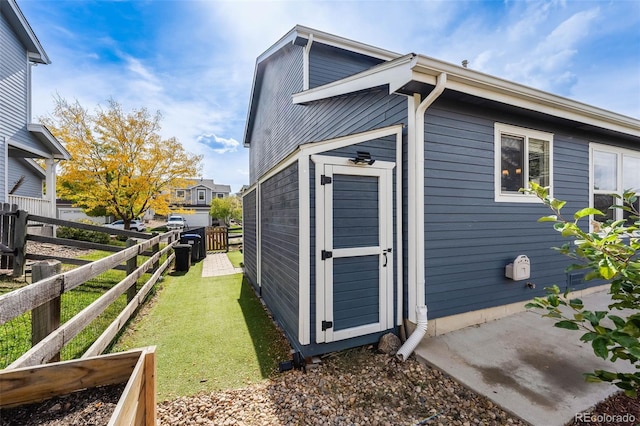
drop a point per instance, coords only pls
(35, 206)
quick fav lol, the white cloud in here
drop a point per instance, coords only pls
(217, 144)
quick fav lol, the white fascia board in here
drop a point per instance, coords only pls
(33, 151)
(494, 88)
(395, 74)
(345, 43)
(35, 166)
(44, 135)
(352, 139)
(25, 33)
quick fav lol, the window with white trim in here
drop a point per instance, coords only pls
(521, 156)
(180, 193)
(613, 171)
(202, 196)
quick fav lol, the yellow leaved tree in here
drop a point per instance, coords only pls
(119, 164)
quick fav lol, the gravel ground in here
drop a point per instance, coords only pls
(355, 387)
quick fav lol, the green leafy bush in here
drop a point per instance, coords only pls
(83, 234)
(609, 253)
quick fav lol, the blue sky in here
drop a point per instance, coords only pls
(194, 60)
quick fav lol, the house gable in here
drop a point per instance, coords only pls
(455, 235)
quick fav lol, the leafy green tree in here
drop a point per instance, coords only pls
(608, 253)
(226, 208)
(119, 165)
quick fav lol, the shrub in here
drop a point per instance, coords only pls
(609, 254)
(72, 233)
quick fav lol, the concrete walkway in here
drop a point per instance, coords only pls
(218, 264)
(525, 365)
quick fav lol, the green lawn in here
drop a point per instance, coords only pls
(236, 258)
(211, 333)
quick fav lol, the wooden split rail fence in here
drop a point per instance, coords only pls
(48, 290)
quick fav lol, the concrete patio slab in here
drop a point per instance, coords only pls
(525, 364)
(218, 264)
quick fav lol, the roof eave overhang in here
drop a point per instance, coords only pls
(497, 89)
(24, 32)
(295, 36)
(394, 74)
(399, 73)
(44, 136)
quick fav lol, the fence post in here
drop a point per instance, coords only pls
(154, 250)
(132, 264)
(226, 240)
(46, 317)
(20, 242)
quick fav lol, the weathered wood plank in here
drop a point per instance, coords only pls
(130, 267)
(54, 342)
(19, 242)
(150, 391)
(34, 384)
(127, 408)
(73, 243)
(26, 298)
(65, 260)
(96, 228)
(116, 325)
(46, 317)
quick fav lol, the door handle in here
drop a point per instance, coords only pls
(384, 252)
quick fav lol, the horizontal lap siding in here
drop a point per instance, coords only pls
(279, 248)
(31, 186)
(469, 238)
(328, 64)
(280, 126)
(249, 237)
(274, 133)
(13, 93)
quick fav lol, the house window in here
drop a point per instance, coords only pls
(201, 196)
(180, 193)
(220, 195)
(613, 171)
(521, 156)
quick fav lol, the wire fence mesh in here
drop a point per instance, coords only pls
(15, 335)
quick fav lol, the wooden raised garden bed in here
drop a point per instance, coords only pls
(135, 369)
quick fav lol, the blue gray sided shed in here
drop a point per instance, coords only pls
(303, 153)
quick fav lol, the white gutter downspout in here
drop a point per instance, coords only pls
(416, 190)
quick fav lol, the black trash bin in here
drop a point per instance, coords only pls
(183, 257)
(195, 241)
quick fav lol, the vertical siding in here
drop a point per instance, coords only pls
(328, 64)
(469, 238)
(279, 247)
(249, 240)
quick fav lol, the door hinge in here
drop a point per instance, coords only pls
(326, 325)
(326, 254)
(325, 180)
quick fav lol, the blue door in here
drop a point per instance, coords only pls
(354, 292)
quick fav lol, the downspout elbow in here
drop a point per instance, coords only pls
(412, 342)
(441, 83)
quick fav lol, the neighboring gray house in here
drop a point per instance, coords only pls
(21, 178)
(384, 183)
(198, 197)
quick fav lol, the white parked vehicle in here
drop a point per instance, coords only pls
(176, 223)
(135, 225)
